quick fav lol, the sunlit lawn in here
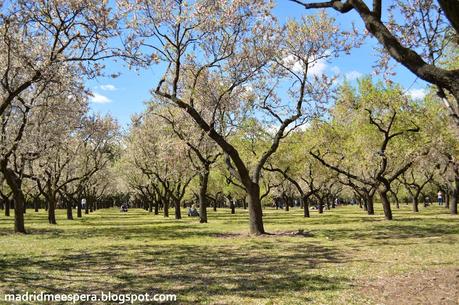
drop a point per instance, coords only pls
(218, 263)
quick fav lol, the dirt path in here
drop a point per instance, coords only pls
(433, 287)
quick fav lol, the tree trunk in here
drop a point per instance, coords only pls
(178, 214)
(19, 203)
(52, 209)
(286, 203)
(166, 208)
(386, 204)
(451, 11)
(255, 210)
(36, 203)
(370, 205)
(79, 208)
(203, 182)
(14, 183)
(397, 202)
(156, 207)
(415, 203)
(453, 203)
(305, 203)
(7, 207)
(69, 210)
(447, 198)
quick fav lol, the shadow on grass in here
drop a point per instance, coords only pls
(393, 231)
(195, 273)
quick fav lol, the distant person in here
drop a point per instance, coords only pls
(440, 198)
(193, 211)
(190, 211)
(427, 201)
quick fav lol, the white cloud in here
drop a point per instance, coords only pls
(108, 87)
(417, 94)
(316, 68)
(353, 75)
(99, 98)
(336, 70)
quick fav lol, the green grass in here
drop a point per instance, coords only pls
(218, 263)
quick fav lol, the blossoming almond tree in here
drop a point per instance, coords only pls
(237, 51)
(161, 157)
(39, 42)
(41, 107)
(82, 146)
(203, 152)
(415, 33)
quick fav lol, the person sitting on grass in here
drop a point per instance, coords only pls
(192, 211)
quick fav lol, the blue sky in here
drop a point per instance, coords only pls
(123, 96)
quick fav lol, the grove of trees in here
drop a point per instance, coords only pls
(240, 117)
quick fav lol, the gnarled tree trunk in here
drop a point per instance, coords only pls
(369, 202)
(69, 209)
(7, 207)
(415, 204)
(14, 183)
(453, 203)
(255, 212)
(305, 203)
(386, 204)
(51, 209)
(178, 214)
(203, 182)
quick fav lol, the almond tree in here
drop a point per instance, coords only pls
(302, 171)
(40, 42)
(42, 108)
(237, 51)
(93, 151)
(417, 178)
(384, 139)
(415, 33)
(153, 148)
(77, 146)
(38, 37)
(446, 151)
(203, 152)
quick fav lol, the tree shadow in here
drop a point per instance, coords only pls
(195, 273)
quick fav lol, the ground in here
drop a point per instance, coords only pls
(340, 257)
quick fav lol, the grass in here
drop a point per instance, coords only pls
(218, 263)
